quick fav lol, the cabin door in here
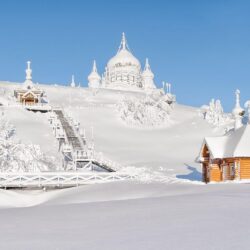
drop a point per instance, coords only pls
(226, 172)
(232, 171)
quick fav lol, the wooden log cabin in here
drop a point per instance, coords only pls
(28, 96)
(226, 157)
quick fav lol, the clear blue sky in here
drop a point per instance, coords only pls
(201, 47)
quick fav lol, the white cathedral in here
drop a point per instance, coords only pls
(124, 72)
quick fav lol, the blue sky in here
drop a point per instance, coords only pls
(201, 47)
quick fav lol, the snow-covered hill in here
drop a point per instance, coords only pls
(170, 150)
(168, 208)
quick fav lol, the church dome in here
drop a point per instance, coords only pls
(123, 57)
(147, 72)
(123, 70)
(94, 76)
(148, 77)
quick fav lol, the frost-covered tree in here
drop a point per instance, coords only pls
(144, 112)
(214, 114)
(18, 157)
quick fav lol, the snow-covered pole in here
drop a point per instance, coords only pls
(92, 133)
(92, 138)
(72, 84)
(237, 109)
(75, 165)
(167, 87)
(237, 99)
(163, 86)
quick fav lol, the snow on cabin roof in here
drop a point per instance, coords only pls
(234, 144)
(32, 92)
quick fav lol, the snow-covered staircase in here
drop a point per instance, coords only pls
(71, 136)
(79, 145)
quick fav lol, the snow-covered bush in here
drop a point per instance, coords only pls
(144, 112)
(18, 157)
(214, 114)
(23, 158)
(6, 129)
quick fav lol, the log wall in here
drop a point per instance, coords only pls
(245, 168)
(215, 173)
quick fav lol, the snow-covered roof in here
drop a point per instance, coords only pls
(123, 57)
(147, 72)
(233, 144)
(94, 74)
(30, 92)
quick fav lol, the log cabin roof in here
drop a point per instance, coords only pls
(233, 144)
(23, 90)
(30, 92)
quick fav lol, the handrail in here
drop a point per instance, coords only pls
(62, 179)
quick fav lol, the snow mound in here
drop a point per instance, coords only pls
(156, 175)
(144, 112)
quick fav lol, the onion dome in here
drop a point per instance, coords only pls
(123, 57)
(94, 78)
(147, 72)
(94, 74)
(148, 76)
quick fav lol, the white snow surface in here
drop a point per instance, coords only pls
(167, 208)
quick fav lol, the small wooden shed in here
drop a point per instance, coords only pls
(226, 157)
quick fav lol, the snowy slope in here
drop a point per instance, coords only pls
(169, 208)
(151, 148)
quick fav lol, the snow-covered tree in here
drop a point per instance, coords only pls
(214, 114)
(19, 157)
(144, 112)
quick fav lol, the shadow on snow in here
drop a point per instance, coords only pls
(194, 175)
